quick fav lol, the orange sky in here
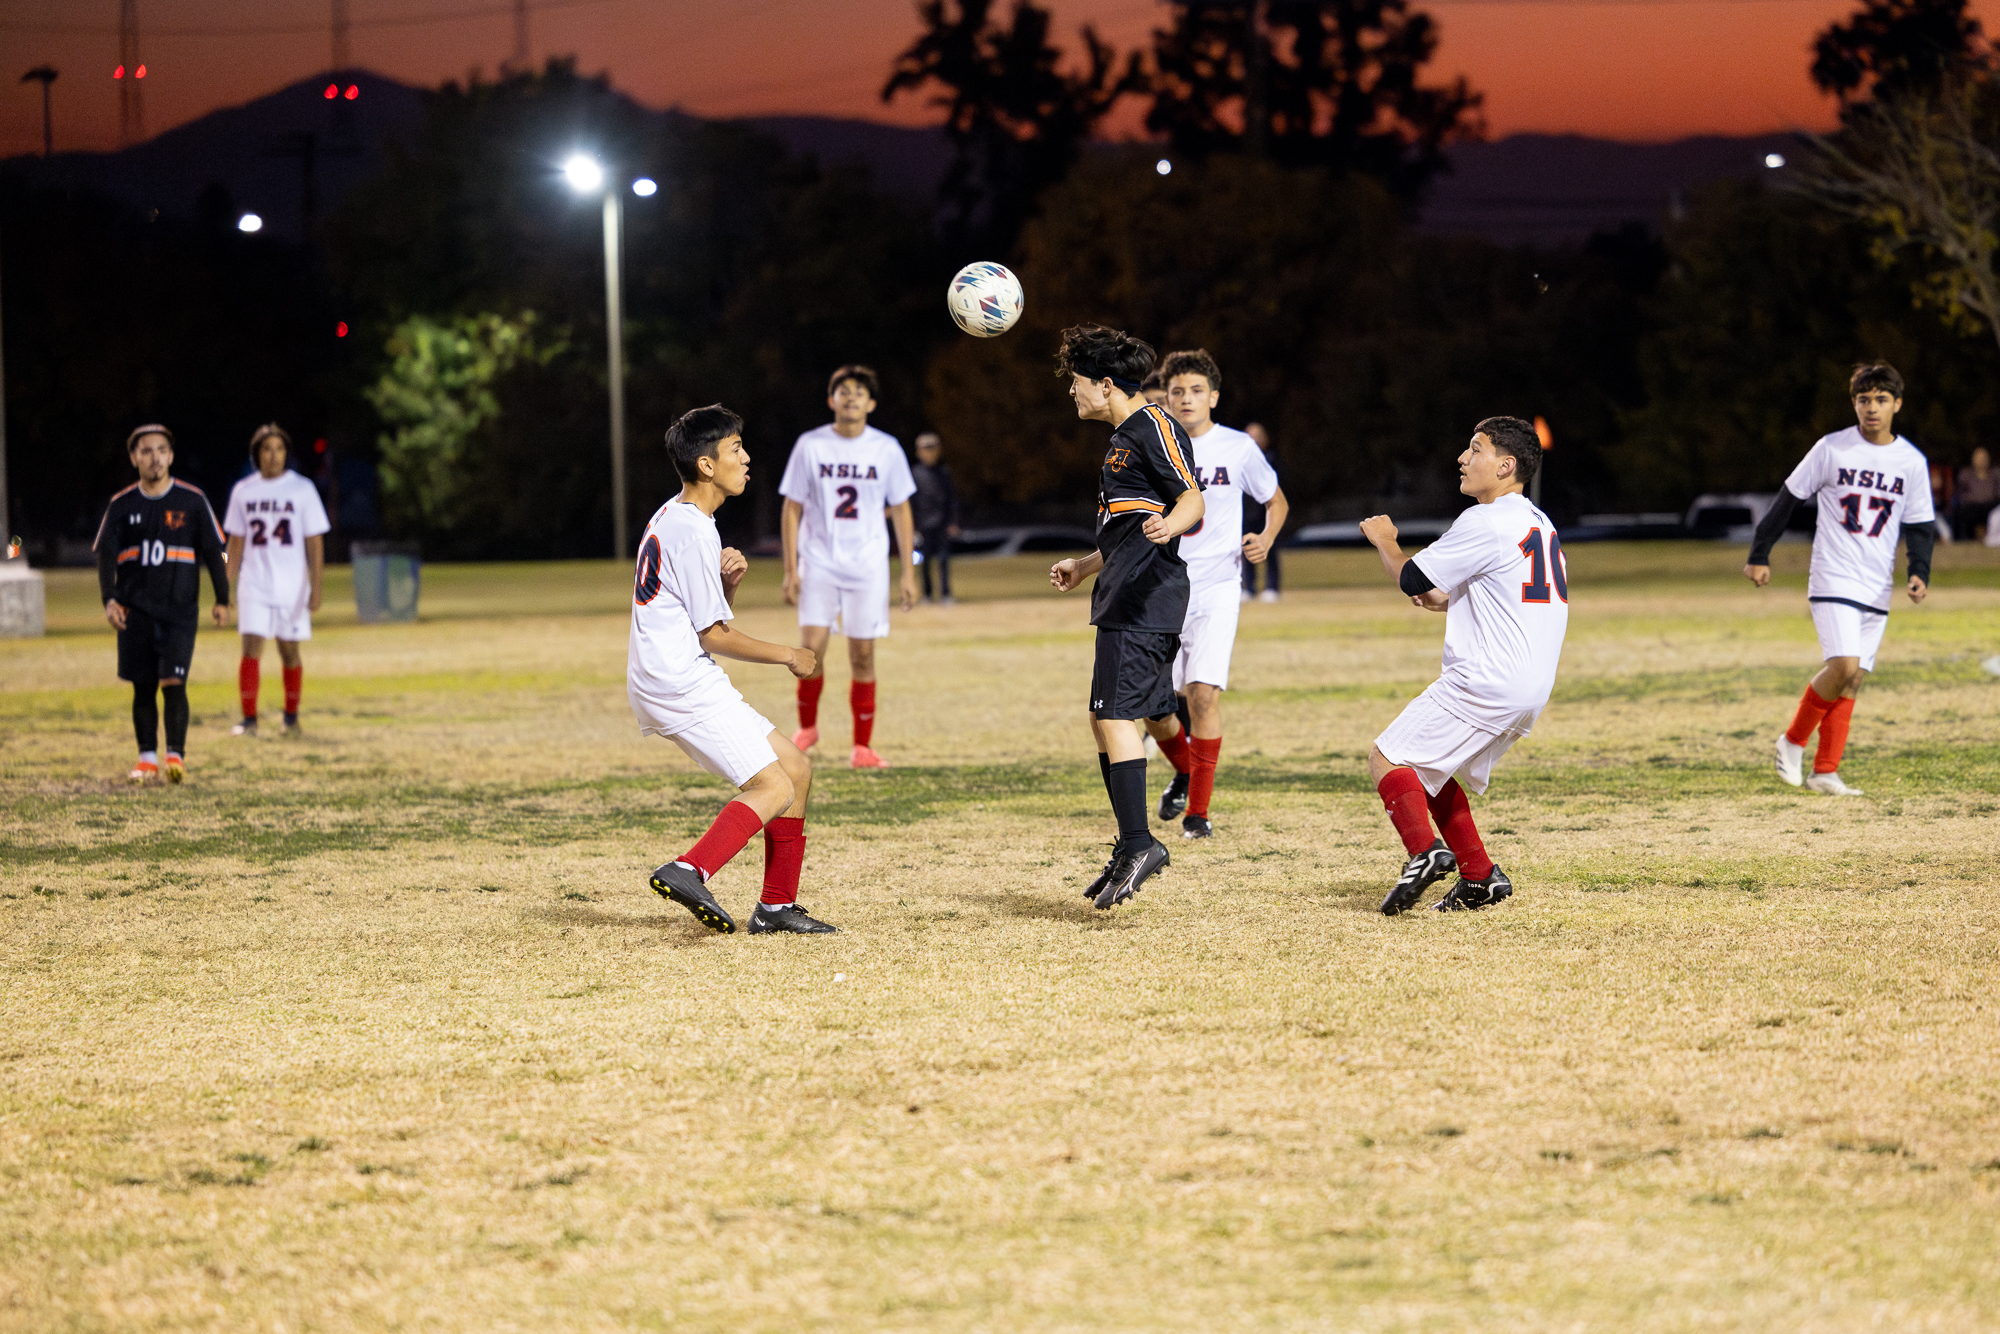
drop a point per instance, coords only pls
(1626, 69)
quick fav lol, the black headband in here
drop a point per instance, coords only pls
(1129, 386)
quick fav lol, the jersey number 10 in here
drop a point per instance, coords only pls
(1537, 587)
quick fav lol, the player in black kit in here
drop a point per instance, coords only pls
(155, 532)
(1147, 496)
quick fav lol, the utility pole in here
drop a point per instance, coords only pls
(47, 74)
(131, 113)
(343, 56)
(614, 331)
(521, 35)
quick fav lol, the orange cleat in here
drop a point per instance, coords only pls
(145, 771)
(805, 738)
(865, 758)
(176, 771)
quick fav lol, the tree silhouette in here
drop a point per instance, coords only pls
(1893, 47)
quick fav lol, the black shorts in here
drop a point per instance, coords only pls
(154, 650)
(1134, 674)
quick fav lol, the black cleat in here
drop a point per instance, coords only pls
(682, 883)
(1196, 826)
(1129, 872)
(787, 917)
(1174, 800)
(1096, 887)
(1469, 894)
(1419, 874)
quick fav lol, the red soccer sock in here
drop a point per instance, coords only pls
(1403, 797)
(1454, 816)
(1175, 748)
(1206, 750)
(784, 857)
(861, 697)
(294, 682)
(248, 671)
(809, 700)
(725, 838)
(1811, 710)
(1833, 736)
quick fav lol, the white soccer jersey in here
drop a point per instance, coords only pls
(671, 681)
(1503, 632)
(274, 516)
(1230, 467)
(844, 485)
(1866, 494)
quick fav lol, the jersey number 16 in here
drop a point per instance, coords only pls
(1539, 570)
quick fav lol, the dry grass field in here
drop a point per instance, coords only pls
(381, 1029)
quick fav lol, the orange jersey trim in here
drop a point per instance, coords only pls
(1171, 444)
(129, 553)
(181, 554)
(1127, 506)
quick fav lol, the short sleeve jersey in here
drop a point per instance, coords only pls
(1865, 494)
(844, 485)
(1143, 586)
(1503, 566)
(160, 543)
(671, 680)
(274, 516)
(1230, 467)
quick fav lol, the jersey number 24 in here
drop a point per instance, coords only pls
(1539, 569)
(282, 534)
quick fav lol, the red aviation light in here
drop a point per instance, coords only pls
(332, 91)
(139, 73)
(118, 73)
(340, 329)
(353, 91)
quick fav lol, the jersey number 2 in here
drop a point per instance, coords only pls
(846, 508)
(1850, 513)
(1537, 587)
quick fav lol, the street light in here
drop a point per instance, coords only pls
(249, 222)
(585, 175)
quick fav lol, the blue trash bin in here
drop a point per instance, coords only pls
(386, 580)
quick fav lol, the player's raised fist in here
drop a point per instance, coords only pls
(804, 663)
(734, 567)
(1760, 574)
(1379, 530)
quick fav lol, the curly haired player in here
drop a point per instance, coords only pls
(1873, 489)
(1148, 495)
(1498, 575)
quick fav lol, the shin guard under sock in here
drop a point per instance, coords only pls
(175, 700)
(248, 678)
(1811, 710)
(724, 839)
(861, 698)
(295, 678)
(784, 857)
(1207, 750)
(1127, 781)
(1403, 797)
(1454, 816)
(1833, 736)
(146, 715)
(809, 700)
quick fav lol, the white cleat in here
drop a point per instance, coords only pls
(1831, 785)
(1791, 761)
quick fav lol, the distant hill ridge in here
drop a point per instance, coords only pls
(1526, 189)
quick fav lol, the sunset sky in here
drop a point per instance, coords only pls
(1625, 69)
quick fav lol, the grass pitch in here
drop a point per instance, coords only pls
(381, 1028)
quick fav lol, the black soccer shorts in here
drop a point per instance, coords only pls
(154, 650)
(1134, 674)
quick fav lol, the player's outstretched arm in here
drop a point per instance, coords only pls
(1067, 574)
(724, 641)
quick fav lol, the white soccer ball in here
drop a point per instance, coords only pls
(985, 298)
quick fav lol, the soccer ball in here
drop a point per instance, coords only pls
(985, 299)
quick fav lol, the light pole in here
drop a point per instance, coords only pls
(586, 176)
(45, 75)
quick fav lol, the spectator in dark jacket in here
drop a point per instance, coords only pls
(935, 509)
(1977, 493)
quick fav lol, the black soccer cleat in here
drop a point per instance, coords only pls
(1196, 826)
(1469, 894)
(787, 917)
(682, 883)
(1096, 887)
(1174, 800)
(1419, 874)
(1129, 872)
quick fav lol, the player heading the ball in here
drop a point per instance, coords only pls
(276, 527)
(682, 598)
(1147, 496)
(840, 480)
(1499, 576)
(1873, 488)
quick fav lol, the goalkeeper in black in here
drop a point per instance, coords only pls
(1148, 495)
(154, 535)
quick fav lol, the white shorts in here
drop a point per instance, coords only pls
(1208, 636)
(290, 624)
(1439, 745)
(858, 613)
(1848, 632)
(733, 743)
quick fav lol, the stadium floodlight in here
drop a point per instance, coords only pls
(249, 222)
(1774, 160)
(1164, 167)
(584, 173)
(645, 187)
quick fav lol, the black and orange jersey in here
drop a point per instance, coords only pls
(1149, 465)
(149, 549)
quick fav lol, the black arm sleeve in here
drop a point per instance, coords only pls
(1413, 580)
(1772, 526)
(1922, 539)
(107, 571)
